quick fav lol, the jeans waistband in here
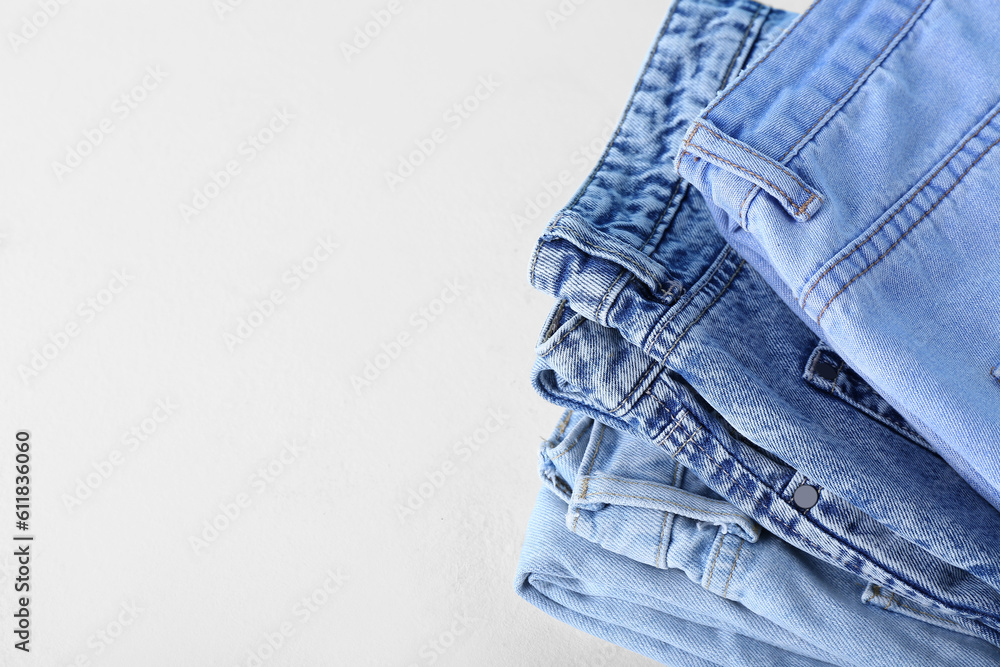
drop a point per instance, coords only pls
(616, 251)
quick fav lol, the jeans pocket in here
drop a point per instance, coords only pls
(826, 371)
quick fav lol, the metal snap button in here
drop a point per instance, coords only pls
(806, 496)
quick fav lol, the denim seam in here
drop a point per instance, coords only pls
(718, 296)
(790, 201)
(867, 70)
(564, 422)
(659, 544)
(711, 571)
(735, 560)
(600, 306)
(867, 558)
(770, 50)
(576, 440)
(609, 494)
(940, 618)
(860, 244)
(562, 338)
(665, 322)
(583, 491)
(653, 366)
(555, 319)
(747, 149)
(739, 49)
(911, 227)
(636, 268)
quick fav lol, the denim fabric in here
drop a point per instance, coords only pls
(659, 562)
(854, 165)
(664, 332)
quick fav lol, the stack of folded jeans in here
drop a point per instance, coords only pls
(776, 336)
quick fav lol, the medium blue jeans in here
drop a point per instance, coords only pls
(628, 545)
(664, 332)
(854, 165)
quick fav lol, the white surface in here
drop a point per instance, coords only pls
(335, 505)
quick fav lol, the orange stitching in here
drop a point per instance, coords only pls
(790, 201)
(563, 337)
(659, 545)
(910, 229)
(849, 88)
(766, 56)
(868, 238)
(940, 618)
(708, 586)
(755, 153)
(571, 447)
(892, 596)
(569, 413)
(805, 204)
(735, 560)
(593, 459)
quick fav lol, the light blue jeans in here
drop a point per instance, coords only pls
(630, 546)
(664, 332)
(854, 165)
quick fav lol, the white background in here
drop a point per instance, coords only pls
(114, 515)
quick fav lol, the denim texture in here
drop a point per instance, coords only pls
(855, 166)
(664, 332)
(629, 545)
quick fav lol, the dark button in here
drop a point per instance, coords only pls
(824, 370)
(806, 496)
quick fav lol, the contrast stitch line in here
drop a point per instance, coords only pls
(638, 84)
(940, 618)
(670, 488)
(766, 56)
(872, 596)
(753, 186)
(563, 337)
(659, 545)
(555, 319)
(747, 149)
(607, 292)
(565, 421)
(735, 560)
(868, 238)
(702, 313)
(711, 571)
(851, 87)
(575, 441)
(790, 201)
(631, 392)
(667, 320)
(657, 500)
(739, 49)
(689, 439)
(597, 449)
(910, 229)
(892, 596)
(659, 219)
